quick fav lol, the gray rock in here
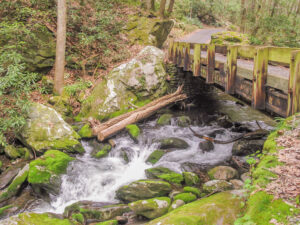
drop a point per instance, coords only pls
(217, 186)
(247, 147)
(245, 176)
(164, 119)
(222, 173)
(176, 204)
(183, 121)
(206, 146)
(8, 175)
(173, 143)
(237, 184)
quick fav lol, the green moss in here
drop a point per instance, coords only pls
(53, 162)
(262, 207)
(155, 156)
(186, 197)
(164, 119)
(109, 222)
(133, 130)
(103, 151)
(184, 121)
(38, 219)
(192, 190)
(86, 131)
(175, 178)
(78, 217)
(1, 164)
(190, 178)
(2, 210)
(12, 152)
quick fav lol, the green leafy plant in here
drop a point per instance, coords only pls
(73, 89)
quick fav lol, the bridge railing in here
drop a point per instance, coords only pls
(268, 77)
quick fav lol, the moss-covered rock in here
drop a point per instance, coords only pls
(86, 131)
(44, 172)
(246, 147)
(186, 197)
(206, 146)
(164, 174)
(173, 143)
(14, 187)
(164, 119)
(222, 173)
(143, 189)
(155, 156)
(62, 105)
(193, 190)
(184, 121)
(101, 152)
(3, 209)
(176, 204)
(229, 37)
(216, 186)
(222, 208)
(29, 218)
(109, 222)
(95, 210)
(190, 178)
(133, 130)
(12, 152)
(78, 217)
(148, 31)
(45, 129)
(151, 208)
(144, 77)
(237, 184)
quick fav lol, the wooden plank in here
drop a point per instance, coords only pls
(187, 52)
(175, 53)
(210, 64)
(246, 51)
(171, 49)
(197, 60)
(282, 55)
(231, 70)
(260, 73)
(180, 54)
(294, 84)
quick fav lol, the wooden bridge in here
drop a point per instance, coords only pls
(268, 77)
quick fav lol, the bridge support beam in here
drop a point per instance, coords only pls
(187, 63)
(180, 54)
(260, 72)
(294, 84)
(197, 60)
(210, 64)
(232, 53)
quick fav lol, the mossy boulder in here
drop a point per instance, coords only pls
(221, 208)
(192, 190)
(62, 105)
(143, 189)
(109, 222)
(173, 143)
(155, 156)
(12, 152)
(229, 37)
(14, 187)
(44, 172)
(95, 210)
(216, 186)
(184, 121)
(45, 129)
(9, 174)
(29, 218)
(139, 81)
(176, 204)
(190, 178)
(222, 173)
(148, 31)
(237, 184)
(164, 174)
(86, 131)
(102, 151)
(164, 119)
(151, 208)
(186, 197)
(133, 130)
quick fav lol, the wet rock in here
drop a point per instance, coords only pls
(237, 184)
(102, 151)
(151, 208)
(8, 175)
(44, 172)
(155, 156)
(122, 219)
(198, 169)
(239, 163)
(245, 176)
(164, 119)
(173, 143)
(224, 121)
(124, 154)
(134, 131)
(109, 222)
(97, 211)
(214, 133)
(164, 174)
(245, 147)
(184, 121)
(45, 129)
(224, 207)
(143, 189)
(190, 178)
(216, 186)
(186, 197)
(222, 173)
(176, 204)
(86, 131)
(192, 190)
(206, 146)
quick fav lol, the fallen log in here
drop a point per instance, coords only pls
(115, 125)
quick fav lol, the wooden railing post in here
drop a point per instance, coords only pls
(197, 60)
(175, 53)
(232, 53)
(180, 54)
(294, 84)
(260, 73)
(171, 50)
(210, 64)
(187, 49)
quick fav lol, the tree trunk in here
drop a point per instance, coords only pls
(151, 5)
(243, 15)
(60, 46)
(171, 6)
(162, 8)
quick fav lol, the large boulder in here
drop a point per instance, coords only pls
(45, 129)
(144, 77)
(9, 174)
(44, 172)
(164, 174)
(143, 189)
(221, 208)
(151, 208)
